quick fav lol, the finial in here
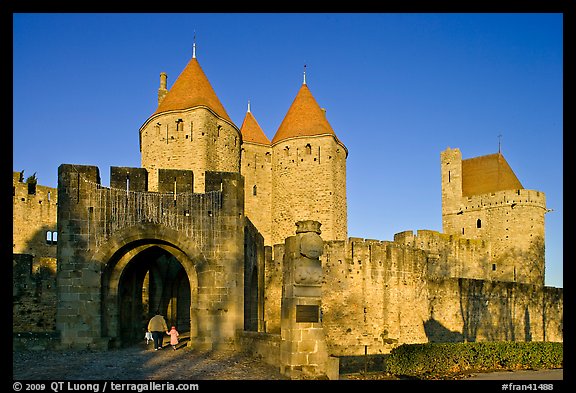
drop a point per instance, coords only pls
(194, 46)
(499, 142)
(248, 105)
(304, 74)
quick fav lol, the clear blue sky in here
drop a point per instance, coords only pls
(398, 89)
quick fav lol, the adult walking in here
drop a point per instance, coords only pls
(158, 327)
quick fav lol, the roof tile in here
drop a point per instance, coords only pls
(487, 174)
(192, 88)
(304, 118)
(252, 132)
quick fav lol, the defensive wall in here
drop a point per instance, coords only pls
(427, 287)
(34, 243)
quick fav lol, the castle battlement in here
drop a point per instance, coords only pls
(504, 198)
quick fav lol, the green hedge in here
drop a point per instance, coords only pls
(442, 358)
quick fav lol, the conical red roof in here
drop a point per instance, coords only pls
(191, 89)
(252, 132)
(304, 118)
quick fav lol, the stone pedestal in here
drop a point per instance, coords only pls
(303, 351)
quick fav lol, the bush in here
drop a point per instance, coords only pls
(443, 358)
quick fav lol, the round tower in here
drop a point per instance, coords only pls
(190, 130)
(308, 172)
(256, 167)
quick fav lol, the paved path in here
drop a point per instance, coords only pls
(526, 375)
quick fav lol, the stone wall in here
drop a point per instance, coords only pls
(34, 244)
(309, 183)
(34, 213)
(33, 294)
(194, 139)
(377, 295)
(256, 167)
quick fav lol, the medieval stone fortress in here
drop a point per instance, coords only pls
(242, 241)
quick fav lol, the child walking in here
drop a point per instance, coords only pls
(173, 333)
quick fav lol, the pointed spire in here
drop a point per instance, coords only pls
(192, 88)
(304, 118)
(304, 75)
(194, 46)
(251, 130)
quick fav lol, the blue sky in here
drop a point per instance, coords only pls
(398, 89)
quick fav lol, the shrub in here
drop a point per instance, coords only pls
(442, 358)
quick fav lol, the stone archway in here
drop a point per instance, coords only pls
(146, 269)
(153, 281)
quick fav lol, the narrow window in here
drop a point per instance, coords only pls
(308, 149)
(448, 176)
(286, 151)
(268, 157)
(478, 223)
(254, 190)
(179, 125)
(493, 267)
(51, 238)
(462, 230)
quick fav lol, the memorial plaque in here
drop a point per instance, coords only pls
(305, 313)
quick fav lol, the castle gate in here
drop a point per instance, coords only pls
(146, 275)
(125, 252)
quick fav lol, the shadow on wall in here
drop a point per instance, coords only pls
(438, 333)
(34, 287)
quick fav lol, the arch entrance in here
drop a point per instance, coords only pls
(153, 281)
(143, 276)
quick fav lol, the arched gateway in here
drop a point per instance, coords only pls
(125, 253)
(149, 269)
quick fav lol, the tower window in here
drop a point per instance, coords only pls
(478, 223)
(179, 125)
(493, 267)
(254, 190)
(308, 148)
(268, 157)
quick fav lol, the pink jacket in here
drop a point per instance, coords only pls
(173, 333)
